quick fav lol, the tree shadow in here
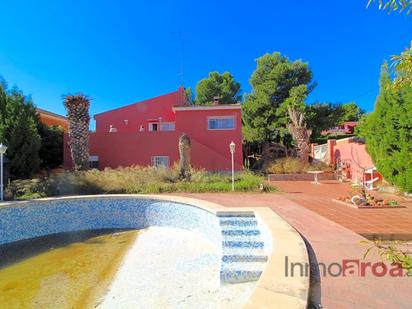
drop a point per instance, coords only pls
(315, 289)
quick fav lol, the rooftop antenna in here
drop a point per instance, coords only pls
(178, 35)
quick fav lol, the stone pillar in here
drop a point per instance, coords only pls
(331, 152)
(312, 150)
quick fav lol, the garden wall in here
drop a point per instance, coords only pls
(353, 153)
(300, 177)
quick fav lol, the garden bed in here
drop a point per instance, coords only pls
(133, 180)
(368, 207)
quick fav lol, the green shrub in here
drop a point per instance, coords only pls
(133, 180)
(393, 252)
(27, 188)
(291, 165)
(288, 166)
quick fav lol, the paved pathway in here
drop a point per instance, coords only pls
(390, 223)
(331, 243)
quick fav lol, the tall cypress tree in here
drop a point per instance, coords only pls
(51, 151)
(24, 146)
(388, 132)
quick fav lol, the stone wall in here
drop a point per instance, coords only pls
(300, 177)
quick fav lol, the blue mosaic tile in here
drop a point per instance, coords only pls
(40, 218)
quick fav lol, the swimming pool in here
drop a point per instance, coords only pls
(226, 250)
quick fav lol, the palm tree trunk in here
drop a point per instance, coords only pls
(184, 152)
(78, 115)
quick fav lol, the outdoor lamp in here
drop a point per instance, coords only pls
(232, 147)
(3, 149)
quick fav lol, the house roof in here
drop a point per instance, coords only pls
(207, 107)
(44, 112)
(180, 89)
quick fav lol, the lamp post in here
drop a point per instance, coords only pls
(232, 147)
(3, 149)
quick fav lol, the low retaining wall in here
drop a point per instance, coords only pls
(300, 177)
(41, 218)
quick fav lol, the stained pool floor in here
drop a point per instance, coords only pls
(63, 271)
(159, 267)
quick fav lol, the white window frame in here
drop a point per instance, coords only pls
(172, 126)
(218, 118)
(156, 161)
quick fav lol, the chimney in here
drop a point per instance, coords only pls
(216, 100)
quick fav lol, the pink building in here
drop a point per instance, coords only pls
(350, 158)
(347, 128)
(350, 153)
(147, 133)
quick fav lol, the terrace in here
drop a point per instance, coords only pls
(333, 234)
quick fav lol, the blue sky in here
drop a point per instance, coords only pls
(120, 52)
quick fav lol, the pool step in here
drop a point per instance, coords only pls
(243, 238)
(242, 244)
(238, 214)
(227, 258)
(239, 276)
(240, 222)
(243, 251)
(241, 271)
(243, 254)
(240, 233)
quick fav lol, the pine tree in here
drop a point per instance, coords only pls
(216, 85)
(264, 119)
(275, 75)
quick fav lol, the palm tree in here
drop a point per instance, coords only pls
(184, 152)
(77, 107)
(394, 5)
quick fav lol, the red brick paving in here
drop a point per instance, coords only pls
(393, 223)
(331, 243)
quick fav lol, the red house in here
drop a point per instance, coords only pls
(147, 133)
(347, 128)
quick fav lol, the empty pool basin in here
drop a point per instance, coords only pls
(246, 246)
